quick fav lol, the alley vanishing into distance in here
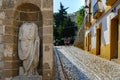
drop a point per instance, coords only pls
(71, 63)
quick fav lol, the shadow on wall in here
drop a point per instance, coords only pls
(79, 40)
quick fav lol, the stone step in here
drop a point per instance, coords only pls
(27, 78)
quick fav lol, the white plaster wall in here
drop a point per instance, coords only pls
(104, 3)
(105, 20)
(93, 39)
(105, 35)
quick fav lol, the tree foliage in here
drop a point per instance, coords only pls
(63, 26)
(80, 16)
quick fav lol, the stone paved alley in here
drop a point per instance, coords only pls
(71, 63)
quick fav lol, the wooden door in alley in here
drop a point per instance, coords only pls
(114, 38)
(89, 41)
(98, 39)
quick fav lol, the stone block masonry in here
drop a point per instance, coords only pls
(13, 13)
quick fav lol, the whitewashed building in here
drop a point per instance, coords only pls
(102, 28)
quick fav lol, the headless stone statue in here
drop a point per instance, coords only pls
(28, 48)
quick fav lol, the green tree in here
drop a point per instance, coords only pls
(69, 28)
(59, 19)
(80, 16)
(63, 26)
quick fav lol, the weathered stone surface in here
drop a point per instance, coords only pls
(48, 48)
(48, 30)
(28, 36)
(9, 13)
(47, 74)
(47, 39)
(1, 39)
(11, 64)
(10, 51)
(1, 22)
(8, 21)
(1, 49)
(2, 15)
(2, 29)
(47, 3)
(65, 70)
(9, 38)
(48, 22)
(8, 4)
(27, 78)
(29, 16)
(94, 67)
(10, 72)
(79, 41)
(47, 14)
(9, 30)
(13, 13)
(1, 64)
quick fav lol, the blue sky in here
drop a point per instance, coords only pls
(73, 5)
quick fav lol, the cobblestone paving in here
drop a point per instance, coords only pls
(65, 70)
(80, 65)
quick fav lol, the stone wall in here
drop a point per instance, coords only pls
(79, 41)
(2, 32)
(13, 13)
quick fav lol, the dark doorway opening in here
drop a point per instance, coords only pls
(98, 40)
(114, 38)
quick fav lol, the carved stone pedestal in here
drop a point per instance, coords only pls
(27, 78)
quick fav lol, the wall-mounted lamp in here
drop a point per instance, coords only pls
(86, 6)
(113, 10)
(89, 13)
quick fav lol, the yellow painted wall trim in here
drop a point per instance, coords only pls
(105, 51)
(93, 51)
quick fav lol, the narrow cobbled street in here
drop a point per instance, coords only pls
(71, 63)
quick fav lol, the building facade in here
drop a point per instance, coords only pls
(13, 13)
(102, 28)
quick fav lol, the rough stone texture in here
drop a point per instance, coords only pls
(48, 30)
(48, 4)
(1, 48)
(79, 41)
(7, 73)
(2, 15)
(27, 78)
(47, 39)
(46, 15)
(94, 67)
(7, 21)
(64, 69)
(29, 16)
(13, 13)
(2, 29)
(10, 65)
